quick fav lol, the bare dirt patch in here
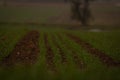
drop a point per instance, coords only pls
(104, 58)
(25, 51)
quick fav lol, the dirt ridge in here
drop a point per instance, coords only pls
(61, 53)
(77, 60)
(49, 55)
(25, 52)
(103, 57)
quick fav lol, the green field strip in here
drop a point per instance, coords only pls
(94, 70)
(41, 59)
(107, 42)
(65, 50)
(50, 55)
(93, 63)
(57, 58)
(55, 50)
(63, 59)
(39, 70)
(81, 52)
(78, 60)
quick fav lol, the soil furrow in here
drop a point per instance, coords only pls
(61, 53)
(25, 52)
(104, 58)
(79, 63)
(49, 55)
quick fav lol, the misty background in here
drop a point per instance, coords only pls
(104, 12)
(51, 0)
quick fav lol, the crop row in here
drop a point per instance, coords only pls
(107, 42)
(56, 45)
(8, 40)
(62, 55)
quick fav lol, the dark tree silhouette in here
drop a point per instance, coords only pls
(80, 11)
(86, 12)
(76, 10)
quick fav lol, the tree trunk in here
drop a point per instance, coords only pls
(86, 12)
(81, 13)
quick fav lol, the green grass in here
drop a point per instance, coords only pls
(107, 42)
(94, 69)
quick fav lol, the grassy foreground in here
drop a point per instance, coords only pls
(93, 70)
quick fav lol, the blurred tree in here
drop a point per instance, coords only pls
(80, 11)
(76, 10)
(86, 12)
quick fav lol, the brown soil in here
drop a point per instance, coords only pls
(61, 53)
(77, 60)
(49, 55)
(104, 58)
(25, 51)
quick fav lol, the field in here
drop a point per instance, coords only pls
(46, 45)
